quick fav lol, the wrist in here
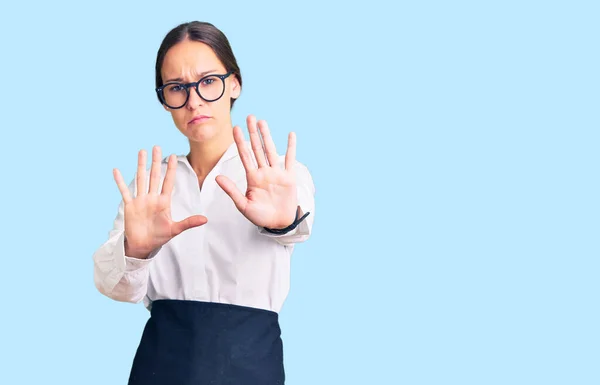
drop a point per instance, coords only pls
(133, 252)
(290, 227)
(285, 223)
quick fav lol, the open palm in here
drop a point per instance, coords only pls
(148, 222)
(271, 197)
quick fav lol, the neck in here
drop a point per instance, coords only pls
(204, 156)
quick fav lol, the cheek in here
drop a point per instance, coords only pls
(223, 106)
(179, 117)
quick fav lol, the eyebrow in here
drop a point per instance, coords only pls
(202, 74)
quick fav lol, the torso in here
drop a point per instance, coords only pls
(226, 260)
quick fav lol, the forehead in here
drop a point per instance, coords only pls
(187, 58)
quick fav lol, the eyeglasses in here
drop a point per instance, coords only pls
(210, 88)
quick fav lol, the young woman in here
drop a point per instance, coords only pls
(205, 239)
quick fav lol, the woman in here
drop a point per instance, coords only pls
(205, 239)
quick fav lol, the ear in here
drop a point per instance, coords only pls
(166, 108)
(235, 87)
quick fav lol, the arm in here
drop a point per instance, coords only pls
(306, 204)
(147, 213)
(279, 198)
(117, 275)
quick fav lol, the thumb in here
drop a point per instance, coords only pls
(234, 193)
(189, 222)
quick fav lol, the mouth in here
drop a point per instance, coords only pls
(199, 119)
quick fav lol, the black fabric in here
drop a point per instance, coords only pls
(291, 227)
(196, 343)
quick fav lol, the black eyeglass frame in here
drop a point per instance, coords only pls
(187, 87)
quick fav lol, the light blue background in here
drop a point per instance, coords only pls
(454, 147)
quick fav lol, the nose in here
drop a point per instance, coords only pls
(194, 100)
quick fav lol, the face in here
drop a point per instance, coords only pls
(200, 121)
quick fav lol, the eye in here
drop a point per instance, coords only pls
(208, 82)
(175, 88)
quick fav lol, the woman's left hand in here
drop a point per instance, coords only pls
(271, 198)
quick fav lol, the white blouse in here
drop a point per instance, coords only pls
(227, 260)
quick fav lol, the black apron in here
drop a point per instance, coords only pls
(197, 343)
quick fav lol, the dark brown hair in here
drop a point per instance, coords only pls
(205, 33)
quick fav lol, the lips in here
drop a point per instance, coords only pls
(199, 119)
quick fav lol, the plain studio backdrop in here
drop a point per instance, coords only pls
(454, 149)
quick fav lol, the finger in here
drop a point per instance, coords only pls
(290, 155)
(242, 149)
(256, 142)
(188, 223)
(155, 170)
(122, 186)
(167, 188)
(234, 193)
(141, 173)
(268, 142)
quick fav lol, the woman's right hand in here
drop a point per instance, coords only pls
(148, 222)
